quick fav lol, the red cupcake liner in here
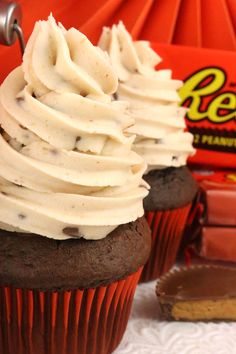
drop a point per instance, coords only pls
(167, 230)
(89, 321)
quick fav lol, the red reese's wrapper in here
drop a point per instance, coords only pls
(215, 229)
(209, 92)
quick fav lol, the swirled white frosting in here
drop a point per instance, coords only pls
(66, 165)
(153, 97)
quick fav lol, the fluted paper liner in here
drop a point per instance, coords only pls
(167, 230)
(89, 321)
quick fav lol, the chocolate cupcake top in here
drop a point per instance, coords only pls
(35, 262)
(153, 97)
(170, 188)
(66, 165)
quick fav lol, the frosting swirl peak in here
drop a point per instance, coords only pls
(153, 98)
(66, 165)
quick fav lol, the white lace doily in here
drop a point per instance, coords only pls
(146, 335)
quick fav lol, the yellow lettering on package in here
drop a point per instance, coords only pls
(204, 83)
(218, 140)
(218, 103)
(207, 139)
(231, 177)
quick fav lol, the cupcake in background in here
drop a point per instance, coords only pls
(72, 237)
(161, 141)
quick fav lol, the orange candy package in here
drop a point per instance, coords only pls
(209, 91)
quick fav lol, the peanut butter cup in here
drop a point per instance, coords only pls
(198, 293)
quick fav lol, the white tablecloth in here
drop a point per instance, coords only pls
(146, 335)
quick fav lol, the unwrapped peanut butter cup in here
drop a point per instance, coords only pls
(198, 293)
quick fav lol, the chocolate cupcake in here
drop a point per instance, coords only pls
(73, 242)
(160, 140)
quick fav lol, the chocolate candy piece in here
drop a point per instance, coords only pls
(198, 293)
(217, 234)
(218, 243)
(219, 199)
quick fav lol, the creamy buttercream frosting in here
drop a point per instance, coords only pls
(66, 165)
(153, 98)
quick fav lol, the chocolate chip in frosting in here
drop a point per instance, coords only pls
(130, 125)
(159, 141)
(72, 231)
(77, 139)
(20, 99)
(54, 151)
(22, 127)
(174, 158)
(21, 216)
(18, 185)
(115, 96)
(4, 193)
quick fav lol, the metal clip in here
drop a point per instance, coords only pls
(10, 24)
